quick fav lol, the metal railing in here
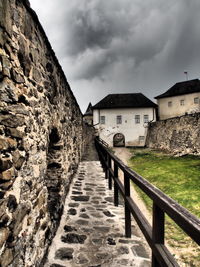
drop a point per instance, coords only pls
(162, 204)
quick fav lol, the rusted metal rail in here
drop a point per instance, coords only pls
(162, 204)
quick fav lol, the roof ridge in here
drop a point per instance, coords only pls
(181, 88)
(127, 100)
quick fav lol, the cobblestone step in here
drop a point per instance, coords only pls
(91, 232)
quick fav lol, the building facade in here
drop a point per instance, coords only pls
(122, 119)
(88, 115)
(182, 98)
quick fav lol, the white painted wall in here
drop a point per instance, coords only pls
(128, 128)
(176, 109)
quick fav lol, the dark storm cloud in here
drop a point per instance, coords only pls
(114, 45)
(101, 33)
(97, 34)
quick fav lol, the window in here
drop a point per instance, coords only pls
(169, 103)
(182, 102)
(137, 119)
(102, 119)
(119, 119)
(141, 139)
(196, 100)
(146, 118)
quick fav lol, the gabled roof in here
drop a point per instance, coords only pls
(88, 110)
(137, 100)
(182, 88)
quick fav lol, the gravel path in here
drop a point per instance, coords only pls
(91, 232)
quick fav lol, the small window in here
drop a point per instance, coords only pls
(141, 138)
(119, 119)
(146, 118)
(102, 119)
(196, 100)
(182, 102)
(169, 103)
(137, 119)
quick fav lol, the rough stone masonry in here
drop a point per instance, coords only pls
(179, 135)
(42, 137)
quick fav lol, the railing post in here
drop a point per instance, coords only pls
(109, 174)
(116, 192)
(106, 167)
(127, 211)
(158, 233)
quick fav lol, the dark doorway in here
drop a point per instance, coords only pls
(119, 140)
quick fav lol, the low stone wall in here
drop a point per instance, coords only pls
(178, 135)
(41, 137)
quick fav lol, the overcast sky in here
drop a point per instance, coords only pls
(122, 46)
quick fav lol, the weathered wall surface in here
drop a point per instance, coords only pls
(178, 135)
(41, 137)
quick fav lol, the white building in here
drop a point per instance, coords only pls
(182, 98)
(122, 119)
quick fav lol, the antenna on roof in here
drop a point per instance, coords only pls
(186, 74)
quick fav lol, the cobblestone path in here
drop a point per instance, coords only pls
(91, 232)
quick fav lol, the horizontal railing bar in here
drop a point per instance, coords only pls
(187, 221)
(164, 256)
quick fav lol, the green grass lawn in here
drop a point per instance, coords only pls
(179, 178)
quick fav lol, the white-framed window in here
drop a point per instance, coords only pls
(137, 119)
(102, 119)
(141, 139)
(182, 102)
(196, 100)
(146, 118)
(170, 104)
(119, 119)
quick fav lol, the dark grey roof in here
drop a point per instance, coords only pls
(182, 88)
(88, 110)
(137, 100)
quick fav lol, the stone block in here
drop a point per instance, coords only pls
(17, 77)
(6, 185)
(2, 194)
(7, 175)
(25, 62)
(4, 233)
(64, 254)
(4, 219)
(5, 16)
(18, 159)
(5, 164)
(6, 257)
(12, 203)
(2, 52)
(12, 121)
(3, 144)
(12, 143)
(15, 132)
(8, 92)
(7, 143)
(36, 75)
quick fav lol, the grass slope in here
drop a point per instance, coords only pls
(179, 178)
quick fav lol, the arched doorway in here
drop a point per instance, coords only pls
(118, 140)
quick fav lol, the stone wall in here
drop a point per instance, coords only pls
(41, 137)
(178, 135)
